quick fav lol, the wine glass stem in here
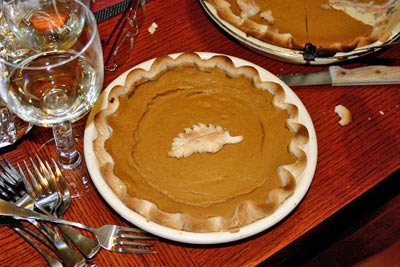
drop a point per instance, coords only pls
(68, 156)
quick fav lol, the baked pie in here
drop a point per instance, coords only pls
(326, 25)
(199, 144)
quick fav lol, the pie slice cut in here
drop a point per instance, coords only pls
(326, 25)
(199, 144)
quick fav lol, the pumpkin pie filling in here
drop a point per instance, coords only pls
(204, 184)
(154, 110)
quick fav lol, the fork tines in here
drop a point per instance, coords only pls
(9, 184)
(9, 175)
(134, 250)
(9, 168)
(123, 243)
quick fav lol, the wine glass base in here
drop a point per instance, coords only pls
(76, 174)
(70, 163)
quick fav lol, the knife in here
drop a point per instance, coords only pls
(338, 76)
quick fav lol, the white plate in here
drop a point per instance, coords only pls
(296, 56)
(303, 183)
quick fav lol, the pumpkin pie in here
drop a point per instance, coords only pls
(199, 144)
(327, 25)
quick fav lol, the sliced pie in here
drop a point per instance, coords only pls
(330, 25)
(199, 144)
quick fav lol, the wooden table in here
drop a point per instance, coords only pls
(352, 160)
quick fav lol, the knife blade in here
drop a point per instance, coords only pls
(338, 76)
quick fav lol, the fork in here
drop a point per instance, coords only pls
(38, 193)
(45, 181)
(26, 234)
(110, 237)
(12, 183)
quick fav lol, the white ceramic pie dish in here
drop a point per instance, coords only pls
(303, 182)
(296, 56)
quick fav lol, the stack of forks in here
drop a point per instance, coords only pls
(44, 195)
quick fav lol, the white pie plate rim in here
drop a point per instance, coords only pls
(257, 227)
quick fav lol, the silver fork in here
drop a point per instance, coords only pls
(66, 253)
(87, 246)
(26, 234)
(40, 191)
(45, 181)
(110, 237)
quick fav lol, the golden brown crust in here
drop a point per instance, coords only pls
(246, 212)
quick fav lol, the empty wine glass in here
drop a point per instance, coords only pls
(60, 79)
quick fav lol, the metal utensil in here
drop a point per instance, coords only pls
(68, 256)
(338, 76)
(110, 237)
(44, 181)
(26, 234)
(64, 251)
(36, 193)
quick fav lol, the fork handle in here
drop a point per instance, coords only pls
(69, 256)
(50, 259)
(87, 246)
(11, 210)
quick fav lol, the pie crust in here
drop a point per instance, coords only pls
(206, 191)
(309, 25)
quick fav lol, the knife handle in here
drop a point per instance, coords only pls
(365, 75)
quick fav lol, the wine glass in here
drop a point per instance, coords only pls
(45, 24)
(59, 79)
(12, 128)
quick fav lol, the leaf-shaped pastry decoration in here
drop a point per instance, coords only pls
(201, 138)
